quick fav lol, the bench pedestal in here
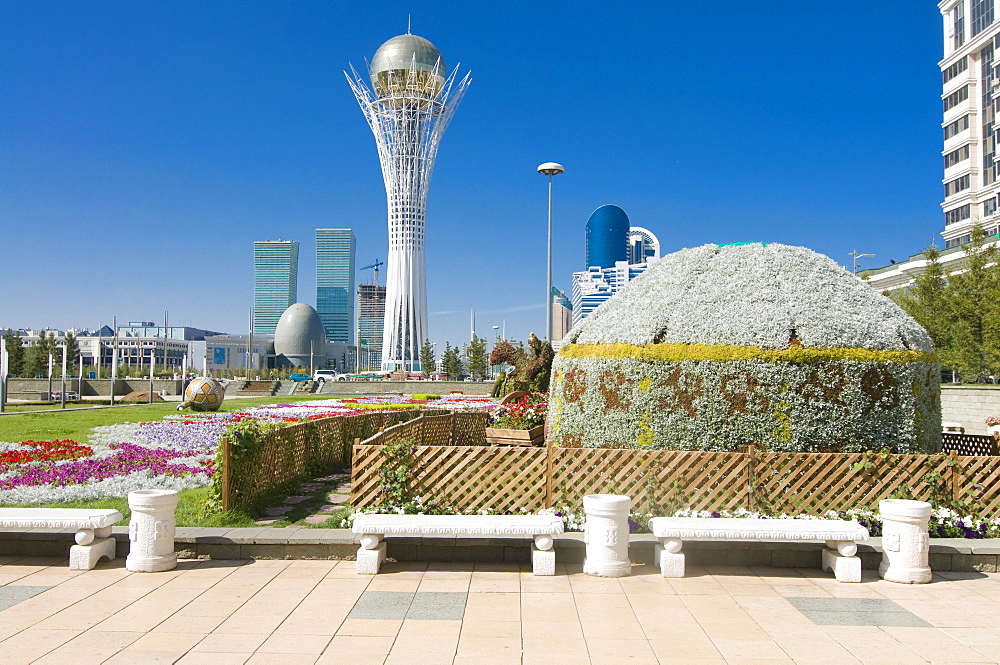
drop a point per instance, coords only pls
(91, 545)
(668, 556)
(844, 568)
(543, 556)
(371, 555)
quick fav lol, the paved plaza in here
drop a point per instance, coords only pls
(292, 612)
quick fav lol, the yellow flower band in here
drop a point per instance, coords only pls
(796, 355)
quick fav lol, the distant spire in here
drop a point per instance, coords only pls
(407, 24)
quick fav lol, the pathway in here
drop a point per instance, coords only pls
(321, 612)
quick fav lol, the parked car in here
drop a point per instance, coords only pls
(298, 376)
(328, 375)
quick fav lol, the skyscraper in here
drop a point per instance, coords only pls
(642, 245)
(408, 113)
(275, 282)
(371, 314)
(607, 237)
(335, 283)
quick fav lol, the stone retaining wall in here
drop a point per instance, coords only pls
(970, 405)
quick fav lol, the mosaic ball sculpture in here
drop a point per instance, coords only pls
(204, 394)
(724, 346)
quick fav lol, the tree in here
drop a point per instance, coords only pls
(427, 361)
(15, 353)
(451, 362)
(961, 311)
(72, 351)
(927, 302)
(475, 356)
(36, 362)
(975, 313)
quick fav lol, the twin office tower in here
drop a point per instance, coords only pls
(276, 264)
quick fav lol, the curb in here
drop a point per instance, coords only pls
(946, 554)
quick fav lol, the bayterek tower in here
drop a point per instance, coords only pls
(411, 99)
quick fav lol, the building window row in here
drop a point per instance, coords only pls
(958, 17)
(956, 156)
(954, 70)
(957, 185)
(956, 98)
(958, 214)
(954, 128)
(967, 238)
(981, 12)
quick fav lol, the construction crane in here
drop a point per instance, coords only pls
(374, 265)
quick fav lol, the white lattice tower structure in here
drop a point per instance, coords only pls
(408, 109)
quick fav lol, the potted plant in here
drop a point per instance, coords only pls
(993, 426)
(519, 424)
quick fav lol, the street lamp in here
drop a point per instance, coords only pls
(550, 169)
(496, 336)
(856, 256)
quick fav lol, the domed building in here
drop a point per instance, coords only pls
(719, 347)
(299, 340)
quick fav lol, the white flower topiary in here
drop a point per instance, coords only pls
(751, 295)
(719, 347)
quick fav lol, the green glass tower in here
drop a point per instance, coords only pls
(275, 282)
(335, 283)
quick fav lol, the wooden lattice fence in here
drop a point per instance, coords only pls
(437, 428)
(661, 481)
(294, 452)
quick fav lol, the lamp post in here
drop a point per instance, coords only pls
(856, 256)
(496, 336)
(550, 169)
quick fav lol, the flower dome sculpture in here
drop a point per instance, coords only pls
(723, 346)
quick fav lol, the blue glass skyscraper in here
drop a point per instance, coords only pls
(607, 237)
(275, 282)
(335, 283)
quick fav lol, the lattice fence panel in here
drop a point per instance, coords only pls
(435, 430)
(819, 482)
(658, 481)
(482, 477)
(977, 481)
(464, 477)
(468, 428)
(968, 444)
(365, 481)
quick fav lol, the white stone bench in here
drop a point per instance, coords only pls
(93, 529)
(374, 527)
(841, 539)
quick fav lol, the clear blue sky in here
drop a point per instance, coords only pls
(144, 146)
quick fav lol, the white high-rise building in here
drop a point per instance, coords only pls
(970, 75)
(970, 98)
(408, 108)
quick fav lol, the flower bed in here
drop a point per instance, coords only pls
(177, 452)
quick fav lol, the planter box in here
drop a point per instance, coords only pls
(516, 437)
